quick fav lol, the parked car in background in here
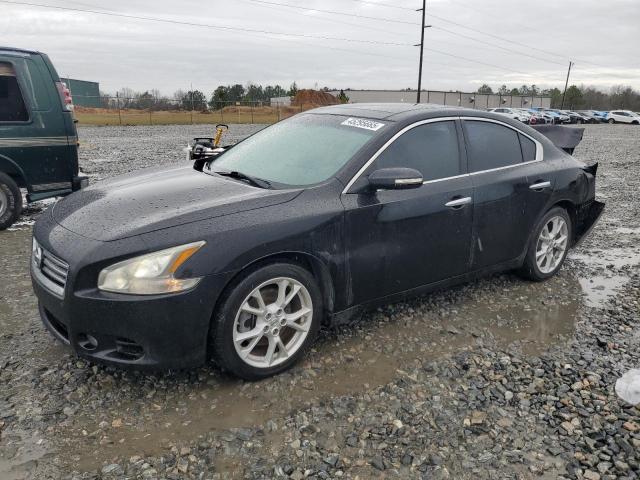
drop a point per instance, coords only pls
(551, 116)
(314, 219)
(511, 113)
(623, 116)
(591, 116)
(38, 138)
(559, 116)
(575, 117)
(539, 117)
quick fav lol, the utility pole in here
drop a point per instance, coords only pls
(566, 85)
(422, 29)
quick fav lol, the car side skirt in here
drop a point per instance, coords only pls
(353, 313)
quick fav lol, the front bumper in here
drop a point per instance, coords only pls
(138, 331)
(145, 332)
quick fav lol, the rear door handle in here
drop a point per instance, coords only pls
(458, 202)
(540, 186)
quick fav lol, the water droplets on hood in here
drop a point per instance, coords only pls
(628, 387)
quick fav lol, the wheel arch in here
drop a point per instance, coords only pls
(571, 209)
(314, 265)
(12, 169)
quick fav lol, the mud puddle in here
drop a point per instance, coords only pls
(160, 412)
(609, 272)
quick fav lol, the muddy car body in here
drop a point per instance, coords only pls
(369, 204)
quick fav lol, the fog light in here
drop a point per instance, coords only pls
(87, 342)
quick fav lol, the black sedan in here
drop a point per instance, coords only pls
(311, 220)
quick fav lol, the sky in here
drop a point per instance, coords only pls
(365, 44)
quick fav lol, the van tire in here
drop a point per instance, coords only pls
(10, 201)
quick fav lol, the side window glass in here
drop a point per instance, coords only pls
(432, 149)
(12, 107)
(491, 145)
(528, 148)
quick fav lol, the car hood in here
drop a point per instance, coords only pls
(151, 200)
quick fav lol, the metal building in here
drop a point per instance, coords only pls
(84, 93)
(452, 99)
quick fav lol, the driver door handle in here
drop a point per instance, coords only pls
(538, 186)
(458, 202)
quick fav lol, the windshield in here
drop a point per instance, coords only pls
(302, 150)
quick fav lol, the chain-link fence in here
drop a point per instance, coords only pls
(141, 110)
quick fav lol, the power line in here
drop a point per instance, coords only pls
(496, 36)
(215, 27)
(477, 61)
(257, 31)
(333, 12)
(475, 39)
(381, 4)
(332, 20)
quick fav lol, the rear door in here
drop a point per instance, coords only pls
(501, 191)
(397, 240)
(33, 134)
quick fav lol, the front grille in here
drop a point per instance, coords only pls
(54, 269)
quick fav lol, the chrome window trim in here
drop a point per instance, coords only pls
(539, 149)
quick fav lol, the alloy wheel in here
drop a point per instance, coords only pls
(272, 322)
(552, 244)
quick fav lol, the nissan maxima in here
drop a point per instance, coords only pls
(310, 221)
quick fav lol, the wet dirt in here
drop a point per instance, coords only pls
(355, 359)
(613, 268)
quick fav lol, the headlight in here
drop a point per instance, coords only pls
(36, 253)
(150, 274)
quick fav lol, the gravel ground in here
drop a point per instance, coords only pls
(499, 378)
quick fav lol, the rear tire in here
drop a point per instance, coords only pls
(255, 334)
(10, 201)
(548, 247)
(611, 121)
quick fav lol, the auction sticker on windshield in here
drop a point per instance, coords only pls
(363, 123)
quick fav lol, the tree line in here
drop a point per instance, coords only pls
(196, 99)
(577, 97)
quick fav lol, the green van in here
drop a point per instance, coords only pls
(38, 137)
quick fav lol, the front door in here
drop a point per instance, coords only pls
(397, 240)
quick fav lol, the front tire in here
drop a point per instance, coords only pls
(10, 201)
(266, 321)
(548, 246)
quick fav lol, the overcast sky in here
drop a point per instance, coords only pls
(601, 37)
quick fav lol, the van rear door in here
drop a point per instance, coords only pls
(34, 137)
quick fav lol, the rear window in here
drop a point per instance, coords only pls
(491, 145)
(12, 106)
(528, 148)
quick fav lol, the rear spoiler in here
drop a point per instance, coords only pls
(566, 138)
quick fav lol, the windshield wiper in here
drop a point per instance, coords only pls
(255, 181)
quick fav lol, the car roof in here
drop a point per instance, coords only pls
(17, 50)
(395, 111)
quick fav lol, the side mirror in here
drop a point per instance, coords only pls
(395, 179)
